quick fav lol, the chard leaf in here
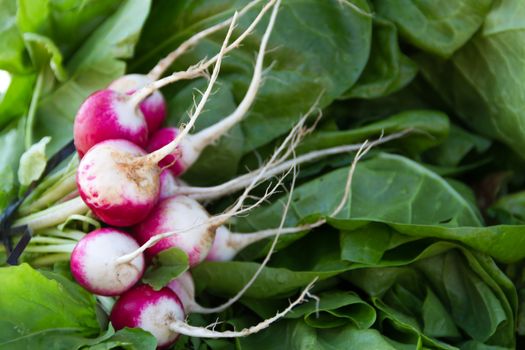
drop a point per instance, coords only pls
(439, 27)
(33, 162)
(335, 309)
(295, 334)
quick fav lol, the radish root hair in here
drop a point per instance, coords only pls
(157, 156)
(277, 232)
(159, 69)
(182, 327)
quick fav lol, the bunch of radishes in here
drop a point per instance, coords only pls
(124, 186)
(121, 184)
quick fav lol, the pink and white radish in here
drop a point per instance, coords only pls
(153, 107)
(107, 115)
(114, 183)
(161, 313)
(94, 266)
(184, 216)
(153, 311)
(119, 182)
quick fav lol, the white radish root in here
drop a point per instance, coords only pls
(159, 69)
(182, 327)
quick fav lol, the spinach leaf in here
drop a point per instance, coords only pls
(439, 27)
(481, 82)
(387, 70)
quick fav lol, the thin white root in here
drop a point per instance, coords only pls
(212, 223)
(157, 156)
(167, 61)
(198, 69)
(243, 290)
(280, 230)
(209, 135)
(182, 327)
(234, 185)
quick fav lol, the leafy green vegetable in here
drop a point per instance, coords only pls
(166, 266)
(490, 102)
(437, 27)
(26, 293)
(387, 70)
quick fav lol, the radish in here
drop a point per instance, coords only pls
(161, 313)
(169, 184)
(94, 266)
(115, 185)
(183, 215)
(153, 107)
(163, 137)
(119, 182)
(106, 115)
(151, 310)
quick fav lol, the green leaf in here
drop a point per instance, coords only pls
(33, 162)
(387, 70)
(510, 209)
(167, 265)
(485, 93)
(437, 27)
(13, 57)
(334, 309)
(128, 339)
(458, 144)
(291, 334)
(26, 293)
(93, 66)
(387, 188)
(12, 146)
(430, 128)
(15, 102)
(44, 51)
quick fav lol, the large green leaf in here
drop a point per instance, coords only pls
(439, 27)
(387, 187)
(483, 81)
(27, 293)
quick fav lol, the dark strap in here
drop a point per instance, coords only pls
(6, 218)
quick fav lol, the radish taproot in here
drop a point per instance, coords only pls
(153, 107)
(94, 266)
